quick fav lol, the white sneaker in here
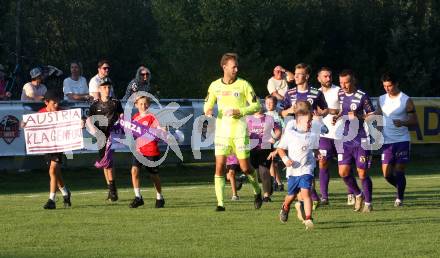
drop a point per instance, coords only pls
(350, 199)
(309, 224)
(398, 203)
(235, 198)
(367, 208)
(358, 202)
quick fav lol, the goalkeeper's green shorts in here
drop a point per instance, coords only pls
(225, 146)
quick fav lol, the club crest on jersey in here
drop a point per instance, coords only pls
(310, 100)
(353, 106)
(304, 148)
(362, 159)
(236, 94)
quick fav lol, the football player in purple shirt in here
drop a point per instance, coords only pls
(356, 106)
(327, 140)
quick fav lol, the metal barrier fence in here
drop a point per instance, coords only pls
(12, 141)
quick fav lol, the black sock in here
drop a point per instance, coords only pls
(112, 185)
(392, 180)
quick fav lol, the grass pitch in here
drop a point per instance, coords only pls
(189, 226)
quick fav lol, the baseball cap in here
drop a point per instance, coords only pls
(105, 81)
(35, 72)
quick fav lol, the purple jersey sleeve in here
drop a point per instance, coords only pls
(367, 105)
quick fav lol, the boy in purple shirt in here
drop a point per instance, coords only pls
(260, 128)
(356, 106)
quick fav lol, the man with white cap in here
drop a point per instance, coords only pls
(4, 94)
(34, 90)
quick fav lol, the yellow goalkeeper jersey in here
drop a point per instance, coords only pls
(237, 95)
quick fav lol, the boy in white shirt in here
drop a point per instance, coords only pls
(301, 140)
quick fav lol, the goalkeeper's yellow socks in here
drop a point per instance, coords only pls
(219, 182)
(253, 179)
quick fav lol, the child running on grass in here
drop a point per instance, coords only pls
(111, 108)
(232, 168)
(147, 146)
(260, 127)
(301, 140)
(54, 160)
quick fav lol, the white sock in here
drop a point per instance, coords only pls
(137, 192)
(367, 203)
(359, 195)
(63, 190)
(52, 196)
(398, 200)
(159, 196)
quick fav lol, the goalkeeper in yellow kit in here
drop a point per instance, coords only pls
(235, 99)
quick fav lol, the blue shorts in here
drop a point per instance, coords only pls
(295, 183)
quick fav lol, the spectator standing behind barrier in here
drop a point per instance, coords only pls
(277, 85)
(4, 94)
(75, 87)
(34, 90)
(103, 72)
(141, 82)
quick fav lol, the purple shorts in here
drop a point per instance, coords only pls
(327, 147)
(395, 153)
(355, 152)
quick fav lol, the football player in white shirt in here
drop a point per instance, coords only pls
(327, 141)
(398, 113)
(301, 140)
